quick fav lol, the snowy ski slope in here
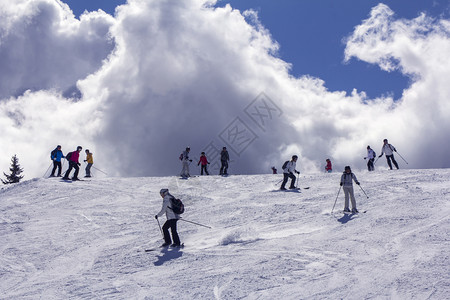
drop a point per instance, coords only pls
(86, 240)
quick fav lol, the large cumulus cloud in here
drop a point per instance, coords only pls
(188, 73)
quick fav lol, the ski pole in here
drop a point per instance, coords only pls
(336, 198)
(99, 170)
(160, 229)
(278, 182)
(376, 161)
(298, 178)
(47, 170)
(363, 191)
(195, 223)
(402, 157)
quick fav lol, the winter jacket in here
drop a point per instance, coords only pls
(388, 149)
(89, 158)
(166, 208)
(57, 156)
(290, 167)
(370, 154)
(329, 167)
(203, 160)
(75, 156)
(346, 179)
(185, 155)
(224, 156)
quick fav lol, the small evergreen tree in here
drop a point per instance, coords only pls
(15, 172)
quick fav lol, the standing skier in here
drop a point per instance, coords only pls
(56, 156)
(328, 167)
(204, 161)
(370, 158)
(90, 161)
(171, 221)
(224, 159)
(185, 160)
(347, 183)
(73, 163)
(288, 172)
(389, 150)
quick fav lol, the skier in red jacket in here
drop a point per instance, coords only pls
(204, 161)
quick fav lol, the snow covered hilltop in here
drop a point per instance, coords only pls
(86, 240)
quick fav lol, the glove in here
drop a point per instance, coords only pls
(79, 164)
(380, 155)
(85, 160)
(358, 183)
(198, 164)
(297, 172)
(208, 163)
(341, 184)
(156, 217)
(190, 160)
(365, 157)
(395, 150)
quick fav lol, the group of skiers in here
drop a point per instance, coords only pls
(289, 168)
(203, 161)
(73, 157)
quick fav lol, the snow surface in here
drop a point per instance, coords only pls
(86, 240)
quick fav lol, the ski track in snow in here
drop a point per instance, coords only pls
(86, 239)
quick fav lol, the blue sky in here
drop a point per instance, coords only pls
(310, 34)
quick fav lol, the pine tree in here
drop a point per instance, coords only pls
(15, 172)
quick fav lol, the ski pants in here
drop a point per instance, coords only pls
(73, 165)
(204, 167)
(172, 224)
(224, 167)
(88, 169)
(56, 164)
(389, 158)
(185, 169)
(370, 165)
(285, 179)
(348, 191)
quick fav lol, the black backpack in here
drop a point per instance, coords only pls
(68, 155)
(53, 154)
(285, 165)
(177, 206)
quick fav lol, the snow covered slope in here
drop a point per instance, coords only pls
(85, 240)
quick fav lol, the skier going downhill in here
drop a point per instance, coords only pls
(347, 183)
(171, 221)
(389, 150)
(288, 172)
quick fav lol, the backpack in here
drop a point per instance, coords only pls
(53, 154)
(181, 156)
(177, 206)
(68, 155)
(285, 165)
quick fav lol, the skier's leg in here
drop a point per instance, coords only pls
(394, 161)
(388, 158)
(346, 193)
(292, 180)
(352, 197)
(173, 229)
(58, 163)
(55, 164)
(285, 179)
(166, 234)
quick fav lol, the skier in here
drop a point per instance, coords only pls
(204, 161)
(389, 150)
(370, 158)
(171, 221)
(56, 156)
(224, 159)
(328, 167)
(90, 161)
(185, 162)
(288, 172)
(347, 183)
(73, 163)
(274, 170)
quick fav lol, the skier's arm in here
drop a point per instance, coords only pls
(163, 208)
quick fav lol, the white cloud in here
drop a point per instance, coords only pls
(181, 72)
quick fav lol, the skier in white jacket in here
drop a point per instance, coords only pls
(171, 221)
(389, 150)
(288, 172)
(370, 158)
